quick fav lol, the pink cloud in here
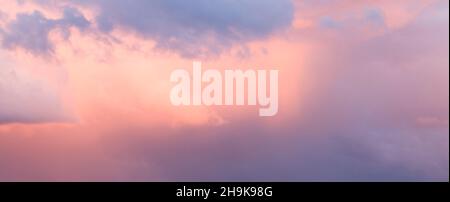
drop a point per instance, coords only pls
(358, 101)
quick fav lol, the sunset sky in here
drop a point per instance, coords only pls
(363, 90)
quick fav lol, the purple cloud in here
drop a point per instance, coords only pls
(194, 28)
(30, 30)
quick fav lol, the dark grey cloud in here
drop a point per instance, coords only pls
(194, 28)
(31, 30)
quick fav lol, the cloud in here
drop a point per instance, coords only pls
(195, 28)
(376, 108)
(31, 30)
(2, 16)
(369, 18)
(25, 99)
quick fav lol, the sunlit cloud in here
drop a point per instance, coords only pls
(363, 90)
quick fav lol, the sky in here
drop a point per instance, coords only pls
(363, 90)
